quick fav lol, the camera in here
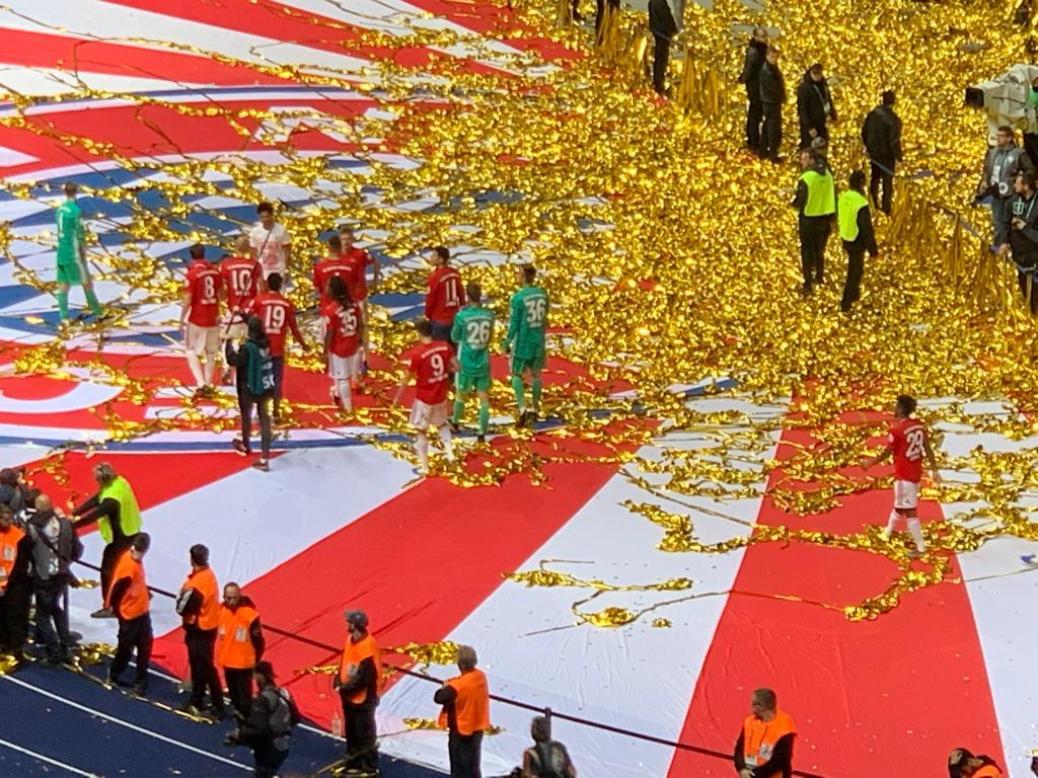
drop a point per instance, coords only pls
(1004, 100)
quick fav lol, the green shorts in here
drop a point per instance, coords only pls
(534, 364)
(68, 273)
(472, 382)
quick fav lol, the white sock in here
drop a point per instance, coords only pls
(917, 533)
(422, 447)
(345, 395)
(892, 523)
(210, 368)
(196, 368)
(448, 442)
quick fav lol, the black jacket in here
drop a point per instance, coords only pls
(812, 99)
(772, 84)
(751, 66)
(1024, 242)
(780, 764)
(866, 239)
(881, 134)
(661, 20)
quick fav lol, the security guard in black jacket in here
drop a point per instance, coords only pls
(1019, 234)
(881, 134)
(756, 51)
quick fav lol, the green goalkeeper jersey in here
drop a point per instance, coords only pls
(527, 322)
(71, 235)
(472, 331)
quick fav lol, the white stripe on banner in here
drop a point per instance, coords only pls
(637, 677)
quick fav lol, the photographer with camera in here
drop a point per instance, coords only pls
(268, 730)
(55, 547)
(1002, 163)
(547, 758)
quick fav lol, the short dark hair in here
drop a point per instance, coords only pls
(197, 251)
(1028, 177)
(766, 697)
(339, 291)
(540, 729)
(424, 328)
(141, 542)
(265, 669)
(816, 68)
(906, 404)
(199, 555)
(265, 207)
(335, 243)
(1005, 128)
(529, 273)
(443, 253)
(274, 282)
(857, 180)
(70, 187)
(889, 98)
(474, 291)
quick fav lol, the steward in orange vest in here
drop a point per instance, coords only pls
(466, 714)
(199, 606)
(963, 764)
(239, 646)
(359, 683)
(15, 584)
(765, 745)
(128, 597)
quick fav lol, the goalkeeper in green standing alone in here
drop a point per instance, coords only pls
(473, 329)
(527, 323)
(72, 268)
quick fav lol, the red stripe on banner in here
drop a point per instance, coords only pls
(418, 565)
(285, 23)
(78, 55)
(901, 690)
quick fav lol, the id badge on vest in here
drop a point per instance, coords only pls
(8, 553)
(762, 756)
(239, 634)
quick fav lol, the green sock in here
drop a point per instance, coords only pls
(63, 305)
(535, 386)
(518, 389)
(95, 306)
(484, 417)
(459, 409)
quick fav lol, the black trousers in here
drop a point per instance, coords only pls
(239, 688)
(660, 59)
(361, 736)
(771, 132)
(814, 233)
(51, 619)
(465, 752)
(201, 643)
(600, 11)
(268, 759)
(855, 270)
(279, 380)
(246, 402)
(881, 174)
(14, 617)
(135, 635)
(1022, 278)
(109, 556)
(754, 118)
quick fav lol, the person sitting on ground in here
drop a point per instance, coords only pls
(547, 758)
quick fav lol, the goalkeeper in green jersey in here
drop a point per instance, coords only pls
(527, 322)
(473, 329)
(72, 268)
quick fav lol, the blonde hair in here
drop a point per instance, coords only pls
(466, 657)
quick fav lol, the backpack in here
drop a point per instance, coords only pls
(545, 764)
(283, 716)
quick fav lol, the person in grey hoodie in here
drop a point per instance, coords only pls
(55, 547)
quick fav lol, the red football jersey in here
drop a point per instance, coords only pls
(344, 326)
(278, 315)
(203, 284)
(240, 277)
(430, 362)
(907, 441)
(326, 270)
(446, 295)
(359, 260)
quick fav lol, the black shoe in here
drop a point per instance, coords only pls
(455, 427)
(140, 688)
(532, 417)
(240, 448)
(523, 418)
(113, 681)
(481, 439)
(805, 290)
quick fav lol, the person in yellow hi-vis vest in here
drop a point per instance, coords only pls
(815, 202)
(855, 222)
(118, 518)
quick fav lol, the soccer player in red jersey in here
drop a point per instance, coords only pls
(240, 275)
(430, 362)
(445, 297)
(278, 316)
(200, 316)
(908, 441)
(360, 260)
(335, 265)
(342, 327)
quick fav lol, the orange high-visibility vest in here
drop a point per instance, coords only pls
(9, 540)
(136, 600)
(204, 582)
(760, 737)
(234, 648)
(352, 655)
(472, 706)
(988, 771)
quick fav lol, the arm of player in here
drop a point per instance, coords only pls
(931, 460)
(294, 326)
(405, 379)
(185, 309)
(515, 314)
(882, 456)
(431, 299)
(376, 273)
